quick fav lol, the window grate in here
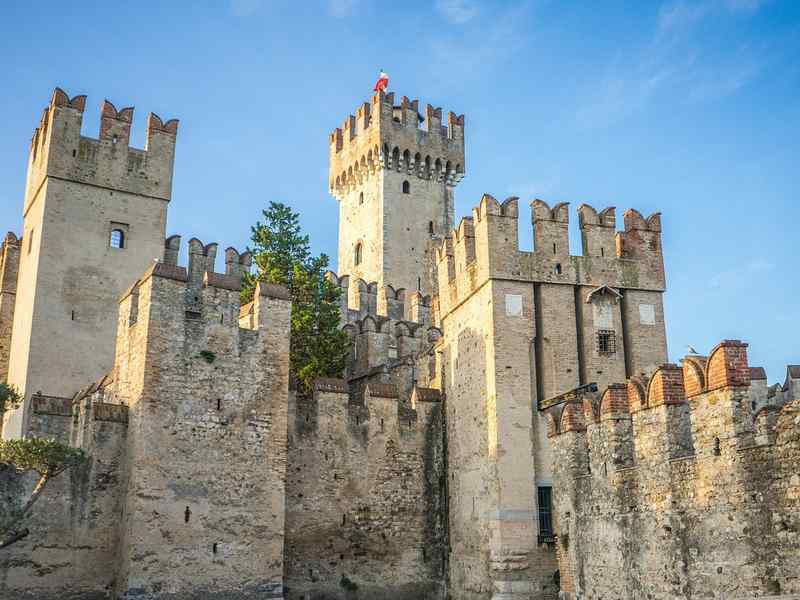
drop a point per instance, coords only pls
(544, 495)
(606, 341)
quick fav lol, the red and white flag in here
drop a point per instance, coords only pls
(382, 83)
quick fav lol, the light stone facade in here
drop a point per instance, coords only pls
(393, 172)
(78, 190)
(471, 391)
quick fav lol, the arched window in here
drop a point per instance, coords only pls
(406, 187)
(117, 239)
(357, 254)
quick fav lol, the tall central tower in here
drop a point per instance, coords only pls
(393, 172)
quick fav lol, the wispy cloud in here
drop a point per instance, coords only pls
(742, 276)
(464, 56)
(341, 8)
(457, 12)
(245, 8)
(674, 64)
(680, 14)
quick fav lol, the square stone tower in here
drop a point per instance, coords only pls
(393, 172)
(94, 216)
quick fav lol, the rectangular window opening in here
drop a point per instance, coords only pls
(544, 497)
(606, 341)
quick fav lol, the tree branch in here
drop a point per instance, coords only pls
(37, 491)
(14, 538)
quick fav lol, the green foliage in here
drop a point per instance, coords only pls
(9, 397)
(318, 346)
(47, 457)
(282, 254)
(348, 583)
(278, 245)
(207, 356)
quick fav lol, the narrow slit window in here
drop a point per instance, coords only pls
(117, 239)
(361, 198)
(430, 227)
(545, 503)
(357, 254)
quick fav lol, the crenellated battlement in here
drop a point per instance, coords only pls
(485, 246)
(202, 261)
(384, 136)
(378, 411)
(689, 456)
(709, 404)
(360, 299)
(204, 301)
(391, 336)
(59, 150)
(9, 263)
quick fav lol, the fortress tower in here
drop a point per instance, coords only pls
(393, 172)
(94, 214)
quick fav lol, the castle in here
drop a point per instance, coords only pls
(466, 453)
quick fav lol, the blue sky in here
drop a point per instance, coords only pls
(685, 107)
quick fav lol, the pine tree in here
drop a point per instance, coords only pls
(278, 245)
(282, 254)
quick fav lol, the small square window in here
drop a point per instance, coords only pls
(606, 341)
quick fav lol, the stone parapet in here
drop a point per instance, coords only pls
(685, 458)
(383, 135)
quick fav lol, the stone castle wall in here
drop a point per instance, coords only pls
(415, 476)
(183, 495)
(365, 509)
(71, 551)
(366, 501)
(683, 485)
(519, 328)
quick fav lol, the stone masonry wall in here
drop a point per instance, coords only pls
(9, 266)
(675, 487)
(393, 174)
(70, 552)
(520, 328)
(183, 493)
(365, 503)
(70, 277)
(204, 489)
